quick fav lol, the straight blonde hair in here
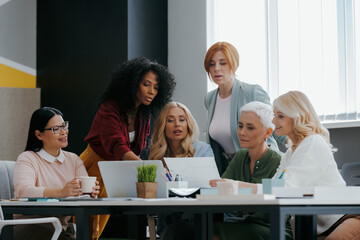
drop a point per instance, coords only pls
(297, 106)
(159, 143)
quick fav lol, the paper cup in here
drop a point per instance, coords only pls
(87, 184)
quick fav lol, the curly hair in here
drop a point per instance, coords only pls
(160, 145)
(125, 80)
(296, 105)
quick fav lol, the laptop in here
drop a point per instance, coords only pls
(197, 171)
(120, 177)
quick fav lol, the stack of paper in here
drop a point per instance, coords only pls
(295, 192)
(236, 197)
(337, 192)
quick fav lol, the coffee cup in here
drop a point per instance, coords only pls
(228, 187)
(87, 184)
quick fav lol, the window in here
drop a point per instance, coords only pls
(307, 45)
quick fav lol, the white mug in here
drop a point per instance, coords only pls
(228, 187)
(87, 184)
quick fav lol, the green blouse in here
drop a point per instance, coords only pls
(265, 167)
(239, 169)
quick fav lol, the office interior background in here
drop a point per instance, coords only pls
(60, 53)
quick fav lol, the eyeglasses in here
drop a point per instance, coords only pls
(57, 129)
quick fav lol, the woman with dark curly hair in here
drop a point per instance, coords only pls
(137, 90)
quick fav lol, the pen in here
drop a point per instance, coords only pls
(167, 171)
(282, 174)
(164, 177)
(168, 176)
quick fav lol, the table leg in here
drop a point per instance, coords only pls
(83, 223)
(210, 228)
(305, 227)
(141, 223)
(200, 226)
(277, 224)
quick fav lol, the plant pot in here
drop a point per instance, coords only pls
(146, 189)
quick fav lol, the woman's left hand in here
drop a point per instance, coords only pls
(96, 190)
(213, 182)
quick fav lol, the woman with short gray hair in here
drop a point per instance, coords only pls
(253, 162)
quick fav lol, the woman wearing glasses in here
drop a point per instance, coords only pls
(45, 170)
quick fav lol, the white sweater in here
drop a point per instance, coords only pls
(312, 164)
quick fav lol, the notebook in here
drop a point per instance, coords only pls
(197, 171)
(120, 177)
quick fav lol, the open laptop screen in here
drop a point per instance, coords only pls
(197, 171)
(120, 177)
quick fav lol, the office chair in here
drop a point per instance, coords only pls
(351, 173)
(6, 179)
(55, 222)
(7, 192)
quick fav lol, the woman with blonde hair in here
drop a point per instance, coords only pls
(176, 133)
(309, 160)
(223, 104)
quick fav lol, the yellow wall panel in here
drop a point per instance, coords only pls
(11, 77)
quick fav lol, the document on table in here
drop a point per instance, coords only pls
(197, 171)
(293, 192)
(236, 197)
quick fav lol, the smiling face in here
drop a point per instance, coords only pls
(220, 70)
(251, 131)
(53, 142)
(176, 127)
(148, 89)
(284, 125)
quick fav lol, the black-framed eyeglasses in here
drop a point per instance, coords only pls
(57, 129)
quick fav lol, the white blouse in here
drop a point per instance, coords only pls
(312, 164)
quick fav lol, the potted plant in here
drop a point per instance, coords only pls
(146, 187)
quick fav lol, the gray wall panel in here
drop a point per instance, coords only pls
(17, 105)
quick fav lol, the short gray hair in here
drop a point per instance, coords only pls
(262, 110)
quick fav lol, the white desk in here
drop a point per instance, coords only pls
(277, 209)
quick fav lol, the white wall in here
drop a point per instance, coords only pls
(18, 31)
(187, 48)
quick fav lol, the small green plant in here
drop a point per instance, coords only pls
(146, 173)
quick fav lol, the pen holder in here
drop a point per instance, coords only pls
(269, 183)
(175, 184)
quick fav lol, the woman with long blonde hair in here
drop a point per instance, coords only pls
(176, 133)
(310, 161)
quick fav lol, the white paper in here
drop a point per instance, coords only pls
(196, 170)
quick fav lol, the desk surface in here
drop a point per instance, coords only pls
(188, 202)
(277, 208)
